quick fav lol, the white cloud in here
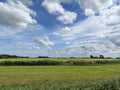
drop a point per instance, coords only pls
(94, 46)
(95, 5)
(15, 14)
(7, 31)
(95, 35)
(26, 45)
(115, 39)
(87, 47)
(111, 16)
(88, 12)
(54, 7)
(68, 17)
(92, 26)
(64, 31)
(44, 41)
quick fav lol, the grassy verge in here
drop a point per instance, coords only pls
(112, 84)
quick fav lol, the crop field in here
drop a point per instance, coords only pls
(58, 77)
(25, 75)
(55, 59)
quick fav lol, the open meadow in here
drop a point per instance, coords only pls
(60, 77)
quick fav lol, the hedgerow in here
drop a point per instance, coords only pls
(49, 62)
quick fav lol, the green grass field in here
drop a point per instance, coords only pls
(10, 75)
(59, 77)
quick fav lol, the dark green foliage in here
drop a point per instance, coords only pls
(101, 56)
(29, 63)
(91, 56)
(48, 62)
(43, 57)
(6, 56)
(117, 57)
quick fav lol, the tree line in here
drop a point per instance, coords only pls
(6, 56)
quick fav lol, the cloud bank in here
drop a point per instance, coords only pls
(97, 33)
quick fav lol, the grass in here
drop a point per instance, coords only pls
(60, 77)
(112, 84)
(12, 75)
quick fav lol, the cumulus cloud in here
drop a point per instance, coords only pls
(55, 7)
(88, 12)
(68, 17)
(15, 14)
(44, 41)
(95, 5)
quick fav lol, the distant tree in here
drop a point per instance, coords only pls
(43, 57)
(5, 56)
(72, 57)
(117, 57)
(91, 56)
(101, 56)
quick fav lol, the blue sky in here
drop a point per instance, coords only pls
(60, 28)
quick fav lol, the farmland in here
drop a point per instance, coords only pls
(17, 77)
(55, 59)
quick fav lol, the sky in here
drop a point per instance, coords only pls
(60, 28)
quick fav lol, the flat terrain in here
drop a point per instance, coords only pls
(55, 59)
(12, 75)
